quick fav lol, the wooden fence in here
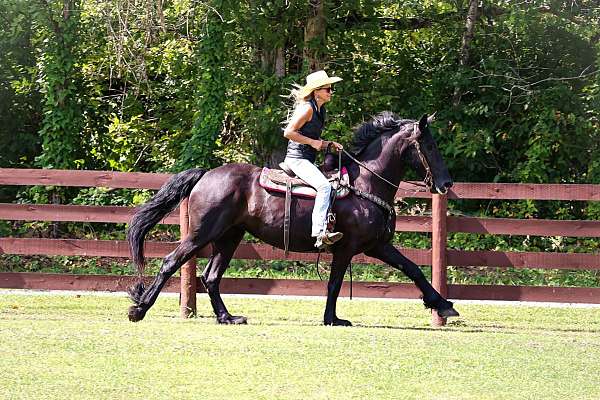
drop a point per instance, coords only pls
(439, 224)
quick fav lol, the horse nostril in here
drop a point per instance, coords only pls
(448, 184)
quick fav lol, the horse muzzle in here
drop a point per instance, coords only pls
(443, 188)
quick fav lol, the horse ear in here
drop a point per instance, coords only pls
(431, 118)
(423, 122)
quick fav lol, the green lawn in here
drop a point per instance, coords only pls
(83, 347)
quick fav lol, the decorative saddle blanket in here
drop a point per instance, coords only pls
(276, 180)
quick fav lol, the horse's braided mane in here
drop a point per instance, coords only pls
(382, 123)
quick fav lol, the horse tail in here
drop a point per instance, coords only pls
(177, 188)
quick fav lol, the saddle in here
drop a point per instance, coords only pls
(285, 181)
(278, 180)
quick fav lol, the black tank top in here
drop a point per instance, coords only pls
(311, 129)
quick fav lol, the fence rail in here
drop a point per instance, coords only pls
(251, 251)
(439, 224)
(299, 287)
(497, 226)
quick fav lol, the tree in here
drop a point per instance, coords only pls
(20, 109)
(210, 84)
(472, 15)
(315, 35)
(62, 145)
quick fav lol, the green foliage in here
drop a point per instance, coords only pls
(111, 197)
(157, 87)
(62, 144)
(129, 142)
(521, 118)
(198, 150)
(20, 107)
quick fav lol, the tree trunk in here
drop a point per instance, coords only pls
(314, 35)
(265, 60)
(272, 61)
(161, 15)
(66, 9)
(279, 62)
(467, 38)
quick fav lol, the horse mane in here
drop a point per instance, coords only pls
(383, 123)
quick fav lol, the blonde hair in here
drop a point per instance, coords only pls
(293, 101)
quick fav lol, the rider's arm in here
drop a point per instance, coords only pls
(292, 131)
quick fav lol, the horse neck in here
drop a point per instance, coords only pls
(380, 158)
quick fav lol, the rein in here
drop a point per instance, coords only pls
(391, 213)
(367, 168)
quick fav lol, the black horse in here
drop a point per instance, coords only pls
(227, 201)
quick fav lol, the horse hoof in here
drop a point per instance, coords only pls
(448, 312)
(232, 320)
(338, 322)
(136, 313)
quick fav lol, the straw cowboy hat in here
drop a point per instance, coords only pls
(314, 81)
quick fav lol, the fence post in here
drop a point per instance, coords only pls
(439, 280)
(188, 270)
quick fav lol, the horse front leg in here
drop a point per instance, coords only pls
(431, 297)
(339, 265)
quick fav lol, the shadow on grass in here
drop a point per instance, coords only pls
(463, 327)
(446, 328)
(459, 325)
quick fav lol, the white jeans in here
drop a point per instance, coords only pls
(309, 173)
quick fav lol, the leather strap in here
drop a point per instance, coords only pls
(390, 211)
(287, 217)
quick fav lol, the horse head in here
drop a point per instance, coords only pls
(389, 143)
(424, 156)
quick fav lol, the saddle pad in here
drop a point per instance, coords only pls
(275, 180)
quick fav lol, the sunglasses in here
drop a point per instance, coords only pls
(327, 89)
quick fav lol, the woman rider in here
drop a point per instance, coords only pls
(304, 133)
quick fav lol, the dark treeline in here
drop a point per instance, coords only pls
(163, 85)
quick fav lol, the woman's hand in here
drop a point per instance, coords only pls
(337, 146)
(325, 145)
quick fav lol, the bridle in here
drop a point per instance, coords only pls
(428, 180)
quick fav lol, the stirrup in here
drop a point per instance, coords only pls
(327, 238)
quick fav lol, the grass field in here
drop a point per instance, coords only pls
(83, 347)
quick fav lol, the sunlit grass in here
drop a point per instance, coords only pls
(71, 347)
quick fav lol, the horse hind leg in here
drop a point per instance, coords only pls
(223, 249)
(207, 224)
(142, 297)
